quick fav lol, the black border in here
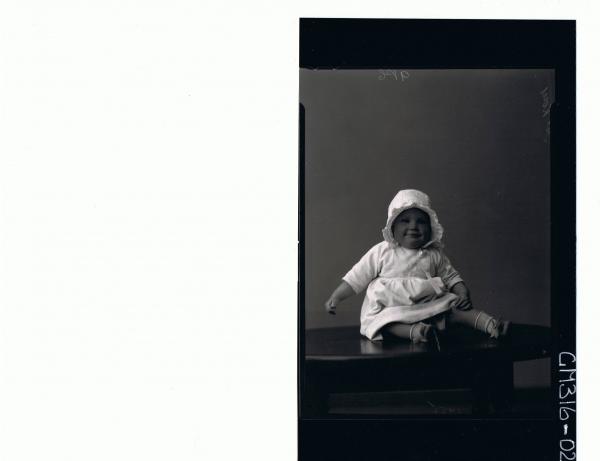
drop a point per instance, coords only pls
(416, 43)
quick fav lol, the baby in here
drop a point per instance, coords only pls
(411, 286)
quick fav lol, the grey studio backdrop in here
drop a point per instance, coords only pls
(475, 140)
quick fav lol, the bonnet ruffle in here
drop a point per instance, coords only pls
(411, 198)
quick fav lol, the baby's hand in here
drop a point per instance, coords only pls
(331, 305)
(342, 292)
(463, 302)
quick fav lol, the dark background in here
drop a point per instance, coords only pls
(475, 140)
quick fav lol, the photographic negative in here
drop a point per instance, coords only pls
(428, 295)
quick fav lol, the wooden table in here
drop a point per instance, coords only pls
(341, 360)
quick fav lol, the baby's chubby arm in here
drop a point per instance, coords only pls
(357, 279)
(464, 298)
(452, 280)
(343, 291)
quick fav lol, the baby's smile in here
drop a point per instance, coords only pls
(412, 229)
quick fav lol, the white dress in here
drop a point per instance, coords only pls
(403, 285)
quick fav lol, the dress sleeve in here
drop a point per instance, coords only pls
(446, 271)
(365, 270)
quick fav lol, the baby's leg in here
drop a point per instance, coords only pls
(416, 332)
(480, 321)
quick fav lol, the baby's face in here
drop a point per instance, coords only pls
(412, 228)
